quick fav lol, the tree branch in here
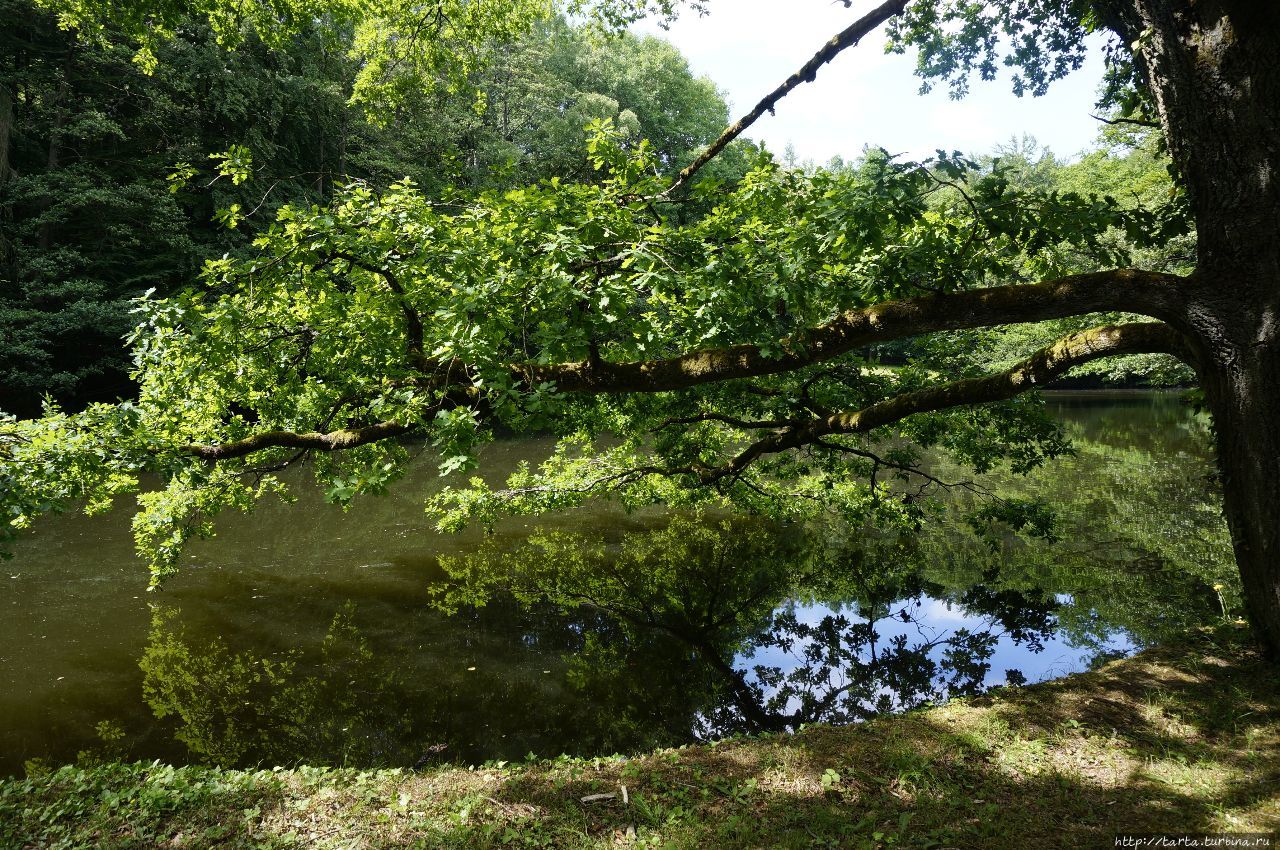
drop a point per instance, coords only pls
(342, 438)
(1149, 293)
(314, 440)
(906, 471)
(848, 37)
(1152, 293)
(1137, 122)
(412, 321)
(1046, 365)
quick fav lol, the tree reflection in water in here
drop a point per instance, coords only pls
(233, 708)
(790, 629)
(699, 628)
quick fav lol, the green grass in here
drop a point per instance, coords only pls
(1184, 738)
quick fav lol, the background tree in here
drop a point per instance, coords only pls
(92, 217)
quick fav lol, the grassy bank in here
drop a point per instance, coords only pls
(1181, 738)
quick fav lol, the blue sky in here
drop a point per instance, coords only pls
(865, 96)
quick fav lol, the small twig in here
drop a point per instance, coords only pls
(1137, 122)
(596, 798)
(727, 420)
(848, 37)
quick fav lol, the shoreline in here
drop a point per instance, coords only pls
(1179, 738)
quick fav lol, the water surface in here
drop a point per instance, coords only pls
(303, 633)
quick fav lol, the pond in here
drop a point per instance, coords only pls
(305, 634)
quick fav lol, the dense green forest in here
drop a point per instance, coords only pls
(108, 175)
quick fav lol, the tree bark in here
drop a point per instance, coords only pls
(1214, 71)
(1044, 367)
(1130, 290)
(44, 236)
(1244, 396)
(6, 171)
(6, 130)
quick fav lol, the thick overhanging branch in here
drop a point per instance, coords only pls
(846, 38)
(346, 438)
(1129, 290)
(336, 440)
(1045, 366)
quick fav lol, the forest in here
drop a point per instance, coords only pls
(418, 390)
(110, 179)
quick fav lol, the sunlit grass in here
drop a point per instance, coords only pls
(1184, 738)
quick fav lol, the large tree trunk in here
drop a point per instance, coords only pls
(6, 171)
(1214, 70)
(6, 130)
(1244, 395)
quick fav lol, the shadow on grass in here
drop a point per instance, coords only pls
(1181, 739)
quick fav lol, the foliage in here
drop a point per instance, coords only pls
(358, 312)
(397, 45)
(1043, 40)
(118, 176)
(90, 218)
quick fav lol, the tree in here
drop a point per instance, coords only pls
(72, 226)
(723, 353)
(91, 215)
(535, 96)
(88, 220)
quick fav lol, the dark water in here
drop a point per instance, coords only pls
(305, 634)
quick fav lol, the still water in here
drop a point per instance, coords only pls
(302, 633)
